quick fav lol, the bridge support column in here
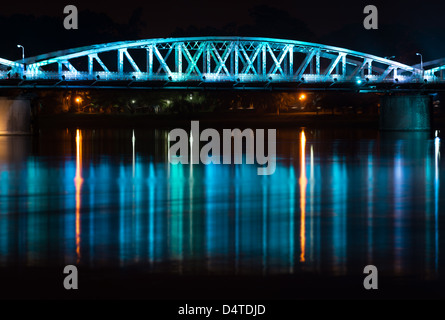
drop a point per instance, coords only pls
(15, 116)
(405, 113)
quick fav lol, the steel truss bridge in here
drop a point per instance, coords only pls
(218, 63)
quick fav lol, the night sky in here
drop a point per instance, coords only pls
(404, 27)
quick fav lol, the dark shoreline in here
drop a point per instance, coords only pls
(216, 120)
(137, 283)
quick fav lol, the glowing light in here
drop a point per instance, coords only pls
(78, 180)
(303, 183)
(436, 199)
(359, 81)
(302, 96)
(133, 141)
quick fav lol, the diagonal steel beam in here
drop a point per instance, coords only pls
(162, 61)
(386, 73)
(221, 61)
(69, 66)
(359, 68)
(305, 63)
(333, 64)
(250, 60)
(130, 59)
(193, 61)
(277, 63)
(165, 59)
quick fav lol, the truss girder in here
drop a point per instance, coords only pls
(219, 59)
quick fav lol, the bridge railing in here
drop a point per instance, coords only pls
(205, 77)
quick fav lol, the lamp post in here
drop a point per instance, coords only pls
(421, 61)
(23, 55)
(23, 51)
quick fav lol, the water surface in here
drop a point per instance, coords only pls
(338, 200)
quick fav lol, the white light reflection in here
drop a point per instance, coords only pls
(133, 141)
(370, 201)
(436, 199)
(398, 210)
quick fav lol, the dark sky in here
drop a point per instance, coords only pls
(404, 26)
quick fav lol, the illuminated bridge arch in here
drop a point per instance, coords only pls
(235, 62)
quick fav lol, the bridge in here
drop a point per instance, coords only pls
(229, 63)
(218, 62)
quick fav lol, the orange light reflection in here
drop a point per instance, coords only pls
(303, 183)
(78, 180)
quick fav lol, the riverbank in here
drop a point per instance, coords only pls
(215, 120)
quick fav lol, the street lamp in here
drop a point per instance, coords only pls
(23, 52)
(23, 55)
(421, 60)
(78, 100)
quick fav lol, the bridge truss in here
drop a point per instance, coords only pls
(231, 62)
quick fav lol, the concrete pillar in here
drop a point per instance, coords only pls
(15, 116)
(405, 113)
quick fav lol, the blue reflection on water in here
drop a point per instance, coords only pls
(110, 198)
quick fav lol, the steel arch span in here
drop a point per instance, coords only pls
(234, 62)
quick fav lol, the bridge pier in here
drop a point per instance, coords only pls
(405, 112)
(15, 116)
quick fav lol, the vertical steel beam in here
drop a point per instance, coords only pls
(120, 61)
(90, 63)
(343, 66)
(202, 47)
(258, 60)
(204, 59)
(150, 60)
(264, 59)
(291, 60)
(369, 67)
(178, 58)
(317, 62)
(286, 67)
(236, 54)
(209, 69)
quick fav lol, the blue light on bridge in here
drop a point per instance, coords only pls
(227, 59)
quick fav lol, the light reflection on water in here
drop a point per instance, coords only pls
(338, 200)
